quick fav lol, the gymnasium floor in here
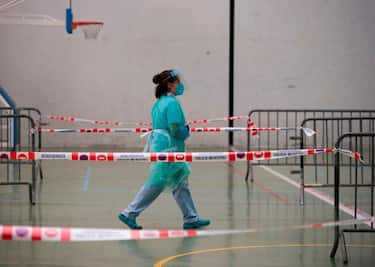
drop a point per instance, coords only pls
(76, 194)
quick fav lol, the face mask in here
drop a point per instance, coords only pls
(180, 89)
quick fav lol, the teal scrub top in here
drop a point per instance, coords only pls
(165, 112)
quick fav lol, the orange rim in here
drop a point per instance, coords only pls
(76, 24)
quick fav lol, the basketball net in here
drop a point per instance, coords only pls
(89, 29)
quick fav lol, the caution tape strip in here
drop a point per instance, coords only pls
(118, 123)
(163, 157)
(68, 234)
(96, 122)
(307, 131)
(173, 156)
(229, 118)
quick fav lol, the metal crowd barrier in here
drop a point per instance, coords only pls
(6, 128)
(14, 174)
(319, 170)
(36, 115)
(287, 139)
(7, 134)
(361, 195)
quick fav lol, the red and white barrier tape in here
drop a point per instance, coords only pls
(240, 117)
(68, 234)
(118, 123)
(96, 122)
(171, 156)
(307, 131)
(97, 130)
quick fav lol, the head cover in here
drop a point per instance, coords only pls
(174, 73)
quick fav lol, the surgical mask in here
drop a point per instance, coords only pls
(180, 89)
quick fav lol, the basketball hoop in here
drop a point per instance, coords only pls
(90, 29)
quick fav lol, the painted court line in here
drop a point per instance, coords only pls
(271, 246)
(322, 196)
(258, 184)
(263, 187)
(86, 180)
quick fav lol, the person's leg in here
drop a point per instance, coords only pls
(184, 200)
(145, 196)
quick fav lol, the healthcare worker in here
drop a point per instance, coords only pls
(169, 133)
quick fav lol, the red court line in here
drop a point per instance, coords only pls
(263, 187)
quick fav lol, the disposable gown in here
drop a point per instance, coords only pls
(167, 118)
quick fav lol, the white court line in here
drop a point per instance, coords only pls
(322, 196)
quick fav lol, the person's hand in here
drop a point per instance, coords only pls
(188, 131)
(183, 132)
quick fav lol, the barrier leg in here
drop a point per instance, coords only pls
(344, 249)
(335, 243)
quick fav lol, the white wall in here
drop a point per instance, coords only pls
(289, 54)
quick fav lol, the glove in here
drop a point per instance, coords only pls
(183, 132)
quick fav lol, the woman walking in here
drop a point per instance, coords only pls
(169, 133)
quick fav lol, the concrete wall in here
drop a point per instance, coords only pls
(289, 54)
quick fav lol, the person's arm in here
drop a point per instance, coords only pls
(175, 118)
